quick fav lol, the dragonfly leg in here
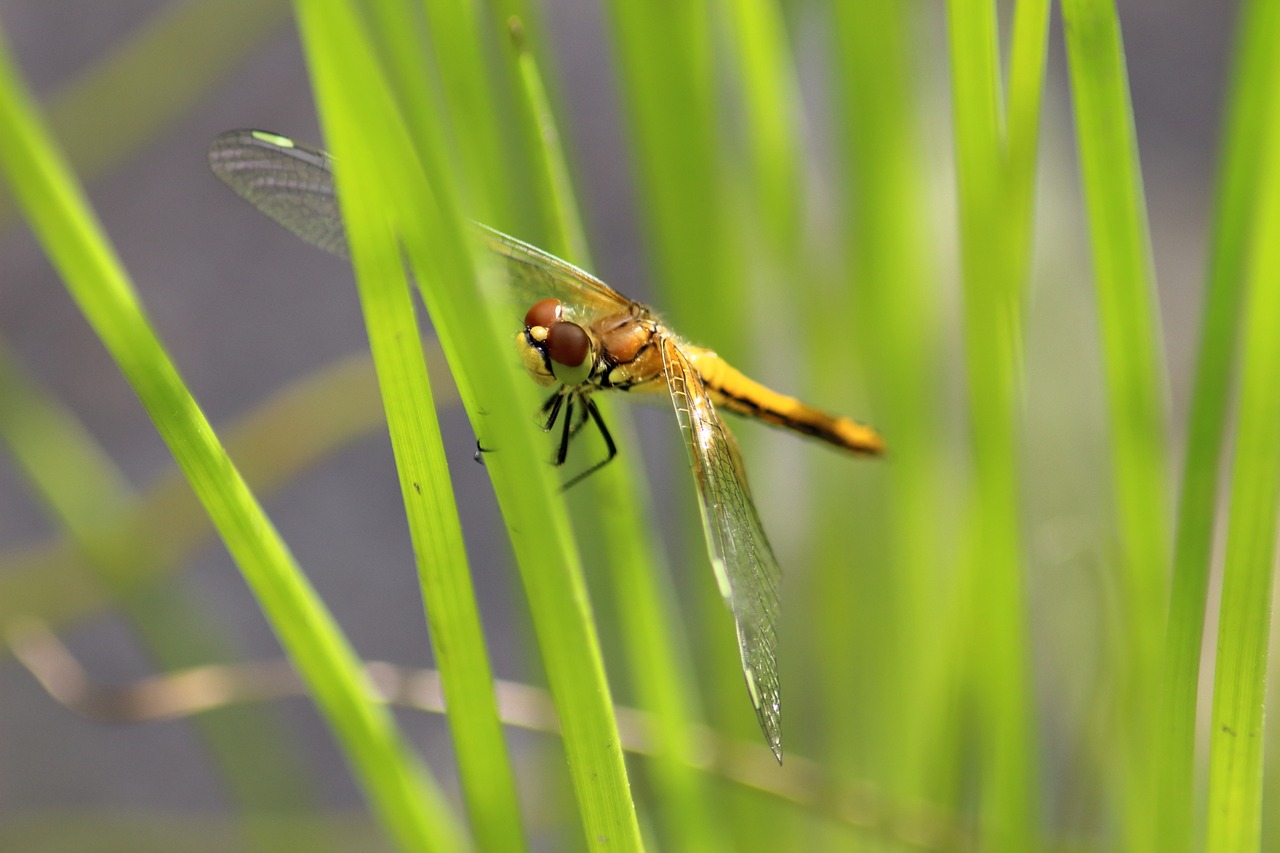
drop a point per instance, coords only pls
(611, 449)
(582, 417)
(566, 432)
(551, 408)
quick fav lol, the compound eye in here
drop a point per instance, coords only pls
(545, 312)
(567, 344)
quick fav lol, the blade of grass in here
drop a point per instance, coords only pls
(1240, 680)
(1133, 361)
(468, 89)
(197, 43)
(420, 197)
(88, 495)
(993, 344)
(665, 66)
(804, 784)
(899, 328)
(1028, 49)
(765, 81)
(452, 616)
(1242, 149)
(556, 202)
(409, 804)
(621, 528)
(320, 414)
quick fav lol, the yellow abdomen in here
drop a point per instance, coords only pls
(731, 389)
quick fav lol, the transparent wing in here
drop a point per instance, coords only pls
(534, 274)
(293, 184)
(290, 182)
(744, 564)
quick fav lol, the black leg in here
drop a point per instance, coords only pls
(611, 448)
(582, 418)
(566, 433)
(551, 409)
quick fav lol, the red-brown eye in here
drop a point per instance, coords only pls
(544, 313)
(567, 344)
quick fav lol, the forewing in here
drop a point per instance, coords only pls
(290, 182)
(293, 184)
(744, 564)
(534, 274)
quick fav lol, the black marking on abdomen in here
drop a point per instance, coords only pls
(772, 416)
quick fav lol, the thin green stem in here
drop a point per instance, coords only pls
(1243, 150)
(1129, 319)
(1240, 679)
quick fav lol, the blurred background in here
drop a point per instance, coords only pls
(246, 309)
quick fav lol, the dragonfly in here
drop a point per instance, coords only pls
(579, 337)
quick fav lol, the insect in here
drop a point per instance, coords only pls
(579, 337)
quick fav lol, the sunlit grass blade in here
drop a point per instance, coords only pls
(1244, 628)
(1027, 59)
(448, 594)
(665, 63)
(766, 82)
(422, 202)
(620, 531)
(556, 201)
(90, 497)
(410, 805)
(468, 87)
(1135, 383)
(197, 43)
(993, 345)
(452, 615)
(1252, 90)
(73, 476)
(898, 333)
(321, 414)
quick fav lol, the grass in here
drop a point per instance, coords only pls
(991, 640)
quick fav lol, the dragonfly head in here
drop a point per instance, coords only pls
(555, 351)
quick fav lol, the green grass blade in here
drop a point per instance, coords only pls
(555, 197)
(1030, 43)
(621, 528)
(423, 202)
(665, 65)
(993, 344)
(453, 619)
(767, 84)
(411, 807)
(1245, 120)
(320, 414)
(664, 60)
(469, 88)
(197, 43)
(89, 497)
(1240, 680)
(452, 615)
(76, 479)
(898, 332)
(1129, 321)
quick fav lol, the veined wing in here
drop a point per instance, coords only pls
(744, 564)
(293, 184)
(290, 182)
(534, 274)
